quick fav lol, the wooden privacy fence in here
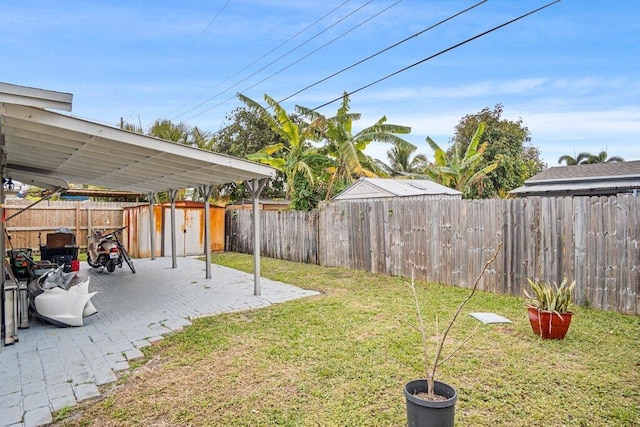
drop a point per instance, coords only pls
(594, 240)
(47, 217)
(290, 235)
(79, 217)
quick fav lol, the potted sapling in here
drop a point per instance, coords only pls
(431, 402)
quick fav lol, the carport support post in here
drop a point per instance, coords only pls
(207, 190)
(255, 188)
(172, 197)
(3, 248)
(152, 225)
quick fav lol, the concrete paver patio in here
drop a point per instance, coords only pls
(51, 368)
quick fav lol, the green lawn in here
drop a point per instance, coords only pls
(342, 358)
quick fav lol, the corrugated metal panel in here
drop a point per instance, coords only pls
(362, 189)
(67, 148)
(189, 229)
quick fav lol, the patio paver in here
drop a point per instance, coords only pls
(50, 367)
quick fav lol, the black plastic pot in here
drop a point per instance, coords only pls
(431, 413)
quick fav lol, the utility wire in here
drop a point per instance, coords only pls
(266, 66)
(209, 25)
(259, 59)
(357, 63)
(186, 51)
(296, 61)
(439, 53)
(384, 50)
(324, 45)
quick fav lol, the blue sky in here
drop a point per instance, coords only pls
(571, 72)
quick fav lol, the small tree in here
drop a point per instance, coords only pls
(431, 364)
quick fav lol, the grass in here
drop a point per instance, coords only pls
(342, 358)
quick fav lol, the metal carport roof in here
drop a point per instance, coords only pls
(47, 148)
(59, 146)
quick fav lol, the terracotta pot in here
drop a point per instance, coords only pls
(548, 325)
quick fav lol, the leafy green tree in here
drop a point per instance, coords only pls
(509, 145)
(244, 132)
(346, 149)
(293, 154)
(463, 171)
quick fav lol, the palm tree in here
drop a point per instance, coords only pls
(345, 149)
(130, 127)
(296, 152)
(200, 139)
(601, 157)
(400, 161)
(460, 170)
(586, 158)
(170, 131)
(569, 160)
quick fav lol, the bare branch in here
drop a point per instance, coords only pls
(461, 345)
(462, 304)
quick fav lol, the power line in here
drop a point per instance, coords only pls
(257, 60)
(384, 50)
(353, 65)
(325, 45)
(188, 49)
(438, 54)
(208, 25)
(266, 66)
(298, 60)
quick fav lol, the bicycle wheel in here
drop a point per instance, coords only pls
(127, 258)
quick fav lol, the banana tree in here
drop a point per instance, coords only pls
(346, 149)
(460, 170)
(295, 153)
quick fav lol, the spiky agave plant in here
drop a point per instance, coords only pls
(551, 297)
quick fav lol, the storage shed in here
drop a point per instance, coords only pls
(377, 188)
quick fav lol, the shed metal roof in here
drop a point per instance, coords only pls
(44, 144)
(380, 187)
